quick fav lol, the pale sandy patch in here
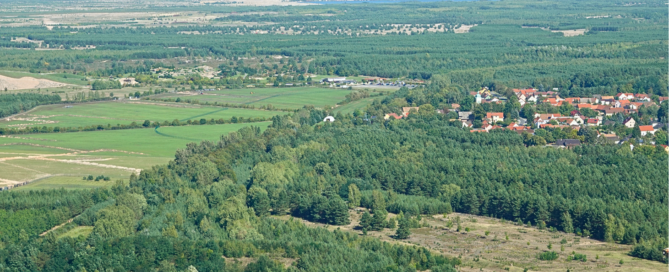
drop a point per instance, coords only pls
(463, 28)
(27, 83)
(571, 33)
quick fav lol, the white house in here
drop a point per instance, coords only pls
(629, 122)
(645, 130)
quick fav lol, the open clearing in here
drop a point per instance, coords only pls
(116, 112)
(571, 33)
(62, 159)
(358, 104)
(26, 83)
(493, 252)
(77, 231)
(282, 98)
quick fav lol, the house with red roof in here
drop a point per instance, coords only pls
(612, 111)
(645, 130)
(593, 122)
(621, 103)
(553, 101)
(494, 117)
(567, 120)
(393, 115)
(642, 97)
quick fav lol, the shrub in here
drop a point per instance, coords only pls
(548, 256)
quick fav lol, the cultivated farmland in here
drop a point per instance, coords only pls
(62, 159)
(282, 98)
(113, 113)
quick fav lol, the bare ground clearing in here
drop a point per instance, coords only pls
(493, 252)
(27, 83)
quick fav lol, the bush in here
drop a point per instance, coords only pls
(548, 256)
(577, 257)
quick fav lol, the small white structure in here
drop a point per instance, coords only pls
(329, 119)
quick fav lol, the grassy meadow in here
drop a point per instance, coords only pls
(62, 159)
(282, 98)
(103, 113)
(67, 182)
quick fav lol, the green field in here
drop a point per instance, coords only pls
(112, 153)
(113, 113)
(352, 106)
(78, 231)
(66, 182)
(282, 98)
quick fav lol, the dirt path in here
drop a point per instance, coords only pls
(59, 226)
(82, 162)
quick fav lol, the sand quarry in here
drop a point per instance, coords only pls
(26, 83)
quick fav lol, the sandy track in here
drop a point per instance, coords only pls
(27, 83)
(83, 162)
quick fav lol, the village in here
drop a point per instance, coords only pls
(620, 119)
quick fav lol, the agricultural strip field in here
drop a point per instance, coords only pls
(282, 98)
(62, 159)
(113, 113)
(66, 182)
(352, 106)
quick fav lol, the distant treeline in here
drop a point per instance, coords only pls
(133, 125)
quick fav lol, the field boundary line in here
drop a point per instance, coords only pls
(204, 114)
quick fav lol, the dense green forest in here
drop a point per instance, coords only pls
(231, 198)
(15, 103)
(622, 50)
(216, 197)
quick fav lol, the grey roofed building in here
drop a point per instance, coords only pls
(658, 125)
(568, 143)
(465, 115)
(609, 123)
(613, 139)
(521, 121)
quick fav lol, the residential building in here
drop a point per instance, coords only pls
(629, 122)
(465, 115)
(406, 110)
(494, 117)
(393, 115)
(593, 122)
(567, 143)
(625, 96)
(645, 130)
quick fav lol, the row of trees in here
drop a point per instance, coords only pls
(15, 103)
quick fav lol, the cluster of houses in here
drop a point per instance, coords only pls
(405, 113)
(623, 103)
(342, 82)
